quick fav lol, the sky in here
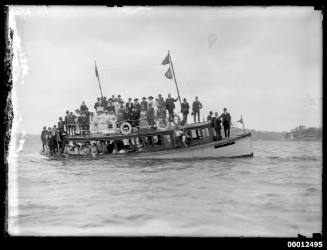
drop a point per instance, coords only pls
(265, 64)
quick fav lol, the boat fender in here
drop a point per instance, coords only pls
(177, 120)
(125, 128)
(160, 126)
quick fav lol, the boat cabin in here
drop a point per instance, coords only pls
(152, 139)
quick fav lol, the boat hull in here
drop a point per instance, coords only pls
(239, 146)
(235, 147)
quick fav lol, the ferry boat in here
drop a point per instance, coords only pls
(163, 140)
(198, 141)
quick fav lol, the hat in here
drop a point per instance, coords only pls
(143, 98)
(129, 98)
(136, 99)
(150, 97)
(98, 98)
(110, 99)
(211, 112)
(184, 99)
(225, 109)
(44, 127)
(159, 95)
(118, 95)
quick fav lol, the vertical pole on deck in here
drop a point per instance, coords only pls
(172, 68)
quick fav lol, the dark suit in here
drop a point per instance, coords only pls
(170, 105)
(196, 109)
(185, 107)
(216, 122)
(226, 123)
(129, 108)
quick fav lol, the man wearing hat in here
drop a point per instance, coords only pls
(136, 112)
(119, 98)
(185, 107)
(44, 134)
(161, 112)
(196, 108)
(111, 106)
(50, 141)
(129, 107)
(104, 102)
(170, 105)
(150, 100)
(72, 123)
(144, 104)
(61, 124)
(84, 109)
(209, 117)
(227, 120)
(67, 122)
(217, 125)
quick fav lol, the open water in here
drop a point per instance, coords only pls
(276, 193)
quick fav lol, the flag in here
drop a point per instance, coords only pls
(240, 120)
(168, 74)
(166, 60)
(96, 71)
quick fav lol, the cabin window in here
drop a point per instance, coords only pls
(204, 133)
(196, 133)
(166, 140)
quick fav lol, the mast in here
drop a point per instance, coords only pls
(172, 68)
(97, 75)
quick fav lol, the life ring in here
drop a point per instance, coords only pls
(125, 128)
(162, 126)
(177, 120)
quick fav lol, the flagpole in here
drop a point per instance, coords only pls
(97, 74)
(172, 68)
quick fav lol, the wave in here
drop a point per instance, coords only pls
(295, 158)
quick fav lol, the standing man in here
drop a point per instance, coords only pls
(84, 109)
(170, 105)
(137, 112)
(44, 134)
(196, 108)
(217, 125)
(129, 108)
(209, 118)
(50, 141)
(67, 122)
(185, 110)
(227, 120)
(144, 104)
(111, 106)
(61, 124)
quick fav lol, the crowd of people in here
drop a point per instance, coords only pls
(110, 113)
